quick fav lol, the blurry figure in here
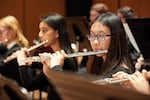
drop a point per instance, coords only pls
(10, 29)
(96, 10)
(126, 12)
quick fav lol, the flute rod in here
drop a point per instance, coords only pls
(118, 80)
(111, 80)
(11, 57)
(39, 58)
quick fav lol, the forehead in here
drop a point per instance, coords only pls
(43, 25)
(1, 28)
(97, 26)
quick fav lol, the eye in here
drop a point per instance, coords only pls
(44, 30)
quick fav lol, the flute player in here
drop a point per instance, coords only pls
(11, 31)
(52, 28)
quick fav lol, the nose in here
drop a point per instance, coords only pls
(96, 41)
(40, 34)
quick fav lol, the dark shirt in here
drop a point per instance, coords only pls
(11, 68)
(33, 82)
(115, 70)
(3, 49)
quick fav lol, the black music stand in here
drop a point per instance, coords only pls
(71, 87)
(78, 29)
(140, 28)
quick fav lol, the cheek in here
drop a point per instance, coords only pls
(51, 39)
(107, 45)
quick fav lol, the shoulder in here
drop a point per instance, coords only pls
(115, 70)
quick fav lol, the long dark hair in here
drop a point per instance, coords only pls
(118, 51)
(57, 22)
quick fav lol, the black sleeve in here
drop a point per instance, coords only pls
(57, 68)
(3, 49)
(115, 70)
(32, 82)
(70, 64)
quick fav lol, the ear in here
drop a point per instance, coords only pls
(57, 34)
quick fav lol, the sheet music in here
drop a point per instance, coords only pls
(131, 38)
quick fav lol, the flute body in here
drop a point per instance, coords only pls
(11, 57)
(111, 80)
(39, 58)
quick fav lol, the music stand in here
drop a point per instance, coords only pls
(140, 28)
(71, 87)
(78, 30)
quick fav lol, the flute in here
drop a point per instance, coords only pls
(111, 80)
(11, 57)
(39, 58)
(118, 80)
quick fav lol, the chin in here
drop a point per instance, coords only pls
(99, 55)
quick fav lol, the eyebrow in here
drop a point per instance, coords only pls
(97, 32)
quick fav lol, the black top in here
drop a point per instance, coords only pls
(115, 70)
(31, 81)
(11, 68)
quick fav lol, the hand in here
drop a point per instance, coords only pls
(20, 55)
(119, 75)
(46, 62)
(139, 63)
(57, 58)
(139, 82)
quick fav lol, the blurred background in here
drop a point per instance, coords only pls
(28, 12)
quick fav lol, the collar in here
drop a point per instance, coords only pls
(10, 45)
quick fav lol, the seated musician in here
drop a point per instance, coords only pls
(52, 28)
(12, 39)
(107, 33)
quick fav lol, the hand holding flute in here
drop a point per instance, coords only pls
(56, 58)
(138, 81)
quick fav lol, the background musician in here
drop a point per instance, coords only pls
(10, 29)
(96, 10)
(52, 28)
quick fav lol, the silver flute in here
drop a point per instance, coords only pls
(39, 58)
(111, 80)
(11, 57)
